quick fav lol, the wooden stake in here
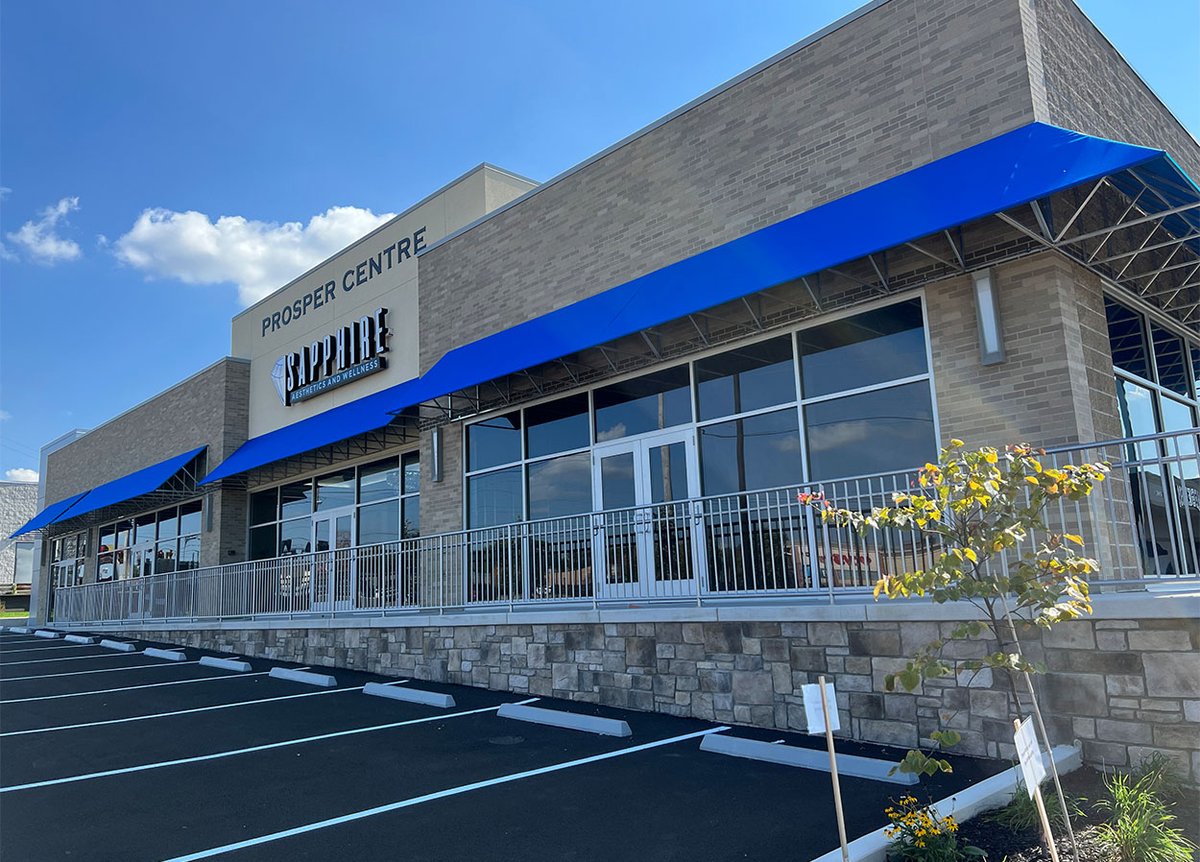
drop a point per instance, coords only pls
(1041, 809)
(837, 789)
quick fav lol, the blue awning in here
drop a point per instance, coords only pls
(127, 487)
(47, 515)
(1015, 168)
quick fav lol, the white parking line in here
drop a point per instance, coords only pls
(97, 670)
(440, 794)
(133, 687)
(44, 648)
(72, 658)
(185, 711)
(254, 748)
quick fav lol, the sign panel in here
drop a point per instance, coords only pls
(1032, 768)
(812, 707)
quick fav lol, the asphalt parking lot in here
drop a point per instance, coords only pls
(109, 755)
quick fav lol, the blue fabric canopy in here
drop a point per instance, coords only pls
(127, 487)
(1013, 169)
(47, 515)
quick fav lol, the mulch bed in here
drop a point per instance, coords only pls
(1085, 784)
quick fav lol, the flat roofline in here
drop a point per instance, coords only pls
(713, 93)
(482, 166)
(144, 402)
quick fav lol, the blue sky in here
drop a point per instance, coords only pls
(136, 136)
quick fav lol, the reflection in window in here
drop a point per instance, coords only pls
(379, 522)
(1127, 337)
(494, 441)
(295, 537)
(560, 486)
(1171, 361)
(263, 542)
(751, 454)
(335, 491)
(874, 432)
(168, 524)
(378, 481)
(557, 426)
(745, 379)
(647, 403)
(189, 518)
(410, 520)
(495, 498)
(143, 529)
(869, 348)
(189, 553)
(295, 499)
(411, 465)
(668, 473)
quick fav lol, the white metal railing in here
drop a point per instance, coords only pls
(1143, 524)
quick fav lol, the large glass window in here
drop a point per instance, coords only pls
(748, 423)
(494, 441)
(1127, 337)
(560, 486)
(557, 426)
(749, 454)
(495, 498)
(873, 432)
(150, 544)
(863, 350)
(651, 402)
(385, 494)
(67, 555)
(335, 491)
(748, 378)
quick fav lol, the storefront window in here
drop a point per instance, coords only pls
(296, 499)
(863, 350)
(494, 441)
(873, 432)
(1127, 337)
(495, 498)
(557, 426)
(749, 378)
(750, 454)
(149, 544)
(385, 495)
(647, 403)
(560, 486)
(1170, 361)
(335, 491)
(867, 404)
(143, 529)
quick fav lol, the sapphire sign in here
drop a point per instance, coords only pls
(343, 356)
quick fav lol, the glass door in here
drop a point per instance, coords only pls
(648, 524)
(333, 579)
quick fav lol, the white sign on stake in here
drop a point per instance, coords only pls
(813, 711)
(1032, 768)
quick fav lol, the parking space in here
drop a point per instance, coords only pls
(194, 762)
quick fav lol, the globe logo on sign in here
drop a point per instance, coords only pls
(279, 378)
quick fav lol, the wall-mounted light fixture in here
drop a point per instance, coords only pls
(435, 459)
(987, 312)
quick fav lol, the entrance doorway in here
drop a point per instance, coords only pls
(333, 560)
(648, 527)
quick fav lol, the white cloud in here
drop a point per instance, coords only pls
(259, 257)
(40, 240)
(5, 416)
(21, 474)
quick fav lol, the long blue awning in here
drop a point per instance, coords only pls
(47, 515)
(135, 484)
(1012, 169)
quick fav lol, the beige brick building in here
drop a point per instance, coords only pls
(548, 436)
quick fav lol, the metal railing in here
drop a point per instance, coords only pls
(1143, 524)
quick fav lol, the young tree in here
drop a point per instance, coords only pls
(983, 514)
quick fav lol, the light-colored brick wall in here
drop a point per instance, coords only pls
(1056, 383)
(1088, 87)
(18, 503)
(208, 408)
(906, 83)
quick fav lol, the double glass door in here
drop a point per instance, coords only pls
(333, 560)
(647, 524)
